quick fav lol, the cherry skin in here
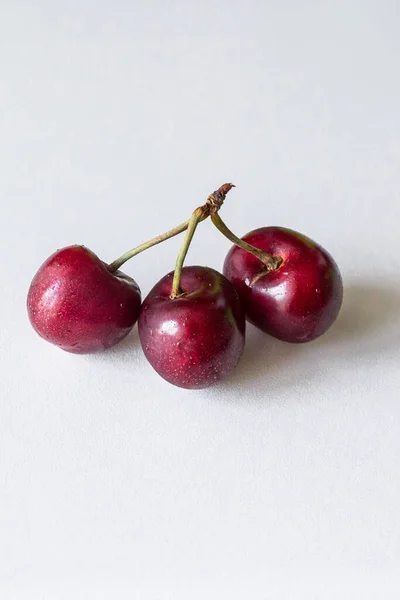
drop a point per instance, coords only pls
(78, 304)
(197, 338)
(297, 302)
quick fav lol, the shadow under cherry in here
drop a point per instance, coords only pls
(368, 324)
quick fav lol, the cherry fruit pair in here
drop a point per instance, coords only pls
(192, 323)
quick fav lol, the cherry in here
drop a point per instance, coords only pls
(297, 295)
(196, 338)
(192, 323)
(78, 304)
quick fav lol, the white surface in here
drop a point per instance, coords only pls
(116, 120)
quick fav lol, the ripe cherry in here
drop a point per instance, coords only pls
(196, 338)
(295, 302)
(78, 304)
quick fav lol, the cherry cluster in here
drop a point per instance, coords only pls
(192, 323)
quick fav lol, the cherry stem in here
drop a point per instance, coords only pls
(197, 216)
(209, 208)
(116, 264)
(271, 262)
(213, 203)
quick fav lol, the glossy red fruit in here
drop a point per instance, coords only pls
(300, 300)
(197, 338)
(76, 303)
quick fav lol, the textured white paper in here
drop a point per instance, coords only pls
(117, 119)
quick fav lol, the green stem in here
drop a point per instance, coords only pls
(194, 220)
(157, 240)
(271, 262)
(214, 202)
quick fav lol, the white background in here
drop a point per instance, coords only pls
(116, 120)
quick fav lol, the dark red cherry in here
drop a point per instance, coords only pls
(78, 304)
(297, 302)
(196, 339)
